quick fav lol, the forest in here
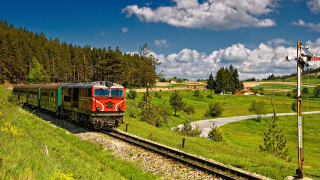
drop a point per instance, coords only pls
(22, 50)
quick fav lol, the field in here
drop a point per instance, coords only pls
(241, 147)
(31, 148)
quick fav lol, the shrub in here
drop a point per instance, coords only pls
(189, 109)
(157, 95)
(290, 94)
(151, 115)
(189, 131)
(215, 109)
(215, 134)
(294, 106)
(132, 95)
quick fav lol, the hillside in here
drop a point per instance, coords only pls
(31, 148)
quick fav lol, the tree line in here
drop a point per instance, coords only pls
(226, 80)
(21, 51)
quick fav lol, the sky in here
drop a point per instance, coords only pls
(191, 38)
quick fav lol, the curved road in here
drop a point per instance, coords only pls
(205, 125)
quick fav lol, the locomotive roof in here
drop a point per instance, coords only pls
(95, 84)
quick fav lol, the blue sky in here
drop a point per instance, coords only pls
(190, 38)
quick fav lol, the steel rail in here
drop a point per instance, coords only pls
(191, 160)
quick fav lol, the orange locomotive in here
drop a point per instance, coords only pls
(99, 104)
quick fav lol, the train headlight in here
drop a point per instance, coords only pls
(97, 108)
(120, 108)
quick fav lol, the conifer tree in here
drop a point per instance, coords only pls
(176, 102)
(36, 74)
(274, 141)
(210, 83)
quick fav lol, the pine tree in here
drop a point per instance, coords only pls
(274, 141)
(36, 74)
(176, 102)
(210, 83)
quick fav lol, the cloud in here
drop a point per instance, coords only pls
(314, 6)
(102, 33)
(211, 14)
(311, 26)
(161, 43)
(258, 62)
(124, 30)
(278, 42)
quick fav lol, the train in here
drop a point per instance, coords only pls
(98, 104)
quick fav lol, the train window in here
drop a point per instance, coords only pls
(117, 93)
(69, 91)
(101, 92)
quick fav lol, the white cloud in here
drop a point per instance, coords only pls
(258, 62)
(278, 42)
(314, 6)
(161, 43)
(211, 14)
(310, 26)
(124, 30)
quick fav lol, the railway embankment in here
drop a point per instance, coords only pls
(31, 148)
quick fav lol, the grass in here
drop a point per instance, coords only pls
(24, 139)
(255, 131)
(234, 151)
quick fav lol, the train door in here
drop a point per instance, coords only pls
(75, 97)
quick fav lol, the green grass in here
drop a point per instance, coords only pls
(249, 136)
(234, 151)
(23, 138)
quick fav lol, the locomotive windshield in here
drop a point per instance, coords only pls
(101, 92)
(117, 93)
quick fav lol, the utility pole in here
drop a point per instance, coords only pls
(302, 60)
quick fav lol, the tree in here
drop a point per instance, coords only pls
(215, 109)
(258, 107)
(36, 74)
(176, 102)
(148, 69)
(272, 100)
(210, 83)
(274, 141)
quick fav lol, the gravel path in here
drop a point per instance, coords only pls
(205, 125)
(151, 162)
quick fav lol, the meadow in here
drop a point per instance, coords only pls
(242, 139)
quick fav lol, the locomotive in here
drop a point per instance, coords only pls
(98, 104)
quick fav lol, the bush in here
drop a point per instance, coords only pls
(151, 115)
(197, 94)
(188, 130)
(157, 95)
(294, 106)
(132, 95)
(215, 134)
(290, 94)
(215, 110)
(210, 96)
(189, 109)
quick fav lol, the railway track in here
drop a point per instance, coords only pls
(220, 171)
